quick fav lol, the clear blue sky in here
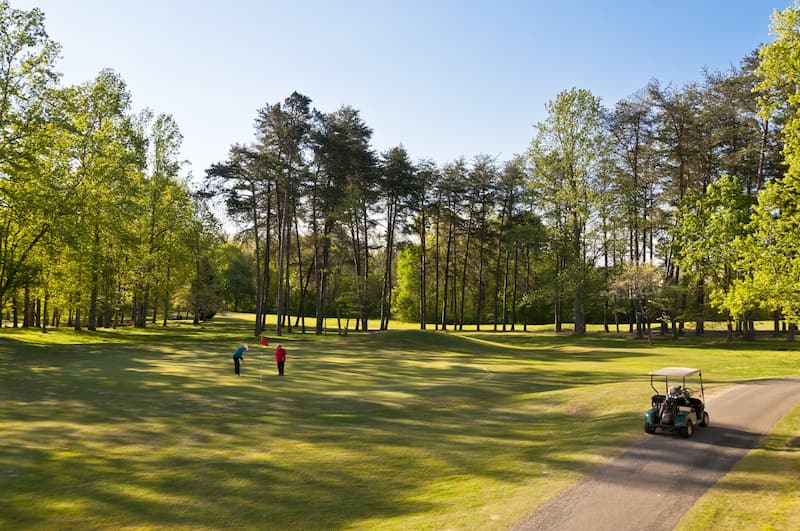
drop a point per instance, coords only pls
(444, 78)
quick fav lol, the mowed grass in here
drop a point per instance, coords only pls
(761, 492)
(404, 429)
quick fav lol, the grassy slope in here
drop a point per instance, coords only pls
(405, 429)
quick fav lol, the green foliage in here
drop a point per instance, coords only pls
(32, 193)
(642, 283)
(203, 239)
(566, 156)
(707, 229)
(93, 214)
(405, 304)
(237, 288)
(771, 255)
(779, 70)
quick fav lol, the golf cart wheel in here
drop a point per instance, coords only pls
(704, 421)
(687, 430)
(649, 429)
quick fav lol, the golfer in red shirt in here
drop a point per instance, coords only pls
(280, 358)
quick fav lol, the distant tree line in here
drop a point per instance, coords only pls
(677, 204)
(649, 212)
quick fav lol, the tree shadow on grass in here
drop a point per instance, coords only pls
(163, 435)
(196, 490)
(140, 435)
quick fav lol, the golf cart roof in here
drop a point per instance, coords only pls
(675, 371)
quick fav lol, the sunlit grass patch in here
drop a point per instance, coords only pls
(763, 489)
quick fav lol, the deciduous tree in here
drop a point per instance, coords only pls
(564, 156)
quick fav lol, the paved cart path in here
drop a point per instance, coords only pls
(654, 483)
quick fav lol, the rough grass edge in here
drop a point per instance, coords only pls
(753, 495)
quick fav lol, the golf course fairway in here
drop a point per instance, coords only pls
(133, 428)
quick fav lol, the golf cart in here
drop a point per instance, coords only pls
(680, 408)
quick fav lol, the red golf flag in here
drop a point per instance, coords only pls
(264, 341)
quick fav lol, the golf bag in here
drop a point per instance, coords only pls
(669, 409)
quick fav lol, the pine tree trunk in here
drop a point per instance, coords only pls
(481, 287)
(605, 277)
(301, 314)
(464, 275)
(322, 275)
(391, 220)
(423, 302)
(445, 293)
(365, 288)
(26, 307)
(77, 318)
(527, 288)
(498, 268)
(92, 325)
(45, 321)
(437, 265)
(355, 238)
(558, 295)
(505, 287)
(700, 323)
(580, 289)
(259, 278)
(514, 290)
(94, 293)
(166, 295)
(282, 231)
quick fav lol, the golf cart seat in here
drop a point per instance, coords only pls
(656, 400)
(697, 405)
